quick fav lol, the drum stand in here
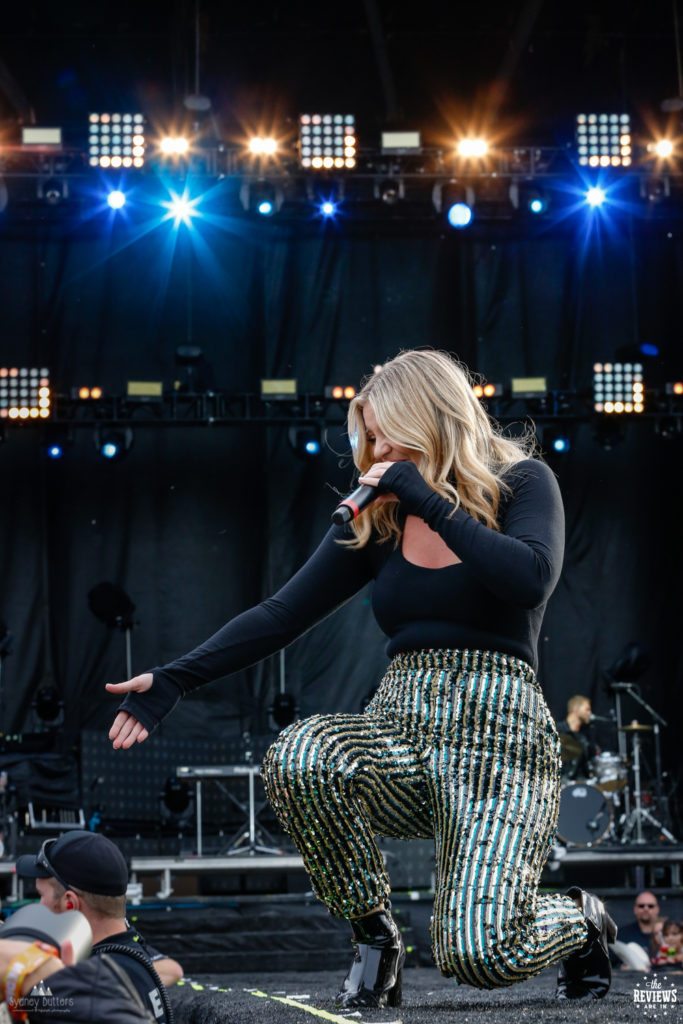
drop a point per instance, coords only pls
(639, 814)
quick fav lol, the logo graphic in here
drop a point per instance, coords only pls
(657, 996)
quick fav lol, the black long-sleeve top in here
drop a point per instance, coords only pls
(493, 599)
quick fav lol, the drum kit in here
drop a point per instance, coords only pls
(609, 804)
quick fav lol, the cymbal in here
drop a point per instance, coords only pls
(636, 728)
(569, 747)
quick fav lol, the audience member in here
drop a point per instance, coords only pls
(93, 990)
(667, 945)
(85, 871)
(646, 911)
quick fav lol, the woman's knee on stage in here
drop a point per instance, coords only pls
(315, 751)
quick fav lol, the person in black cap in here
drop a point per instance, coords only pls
(85, 871)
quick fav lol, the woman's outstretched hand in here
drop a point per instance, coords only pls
(126, 729)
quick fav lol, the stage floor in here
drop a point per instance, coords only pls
(307, 998)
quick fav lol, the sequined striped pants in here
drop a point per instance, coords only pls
(458, 745)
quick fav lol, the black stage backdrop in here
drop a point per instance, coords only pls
(199, 523)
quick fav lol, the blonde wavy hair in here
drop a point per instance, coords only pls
(424, 400)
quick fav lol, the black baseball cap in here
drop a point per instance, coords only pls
(79, 860)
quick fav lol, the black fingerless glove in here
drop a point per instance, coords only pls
(154, 704)
(405, 481)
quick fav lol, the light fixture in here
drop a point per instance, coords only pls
(531, 200)
(662, 148)
(618, 388)
(279, 389)
(116, 140)
(145, 390)
(53, 190)
(44, 139)
(87, 393)
(528, 387)
(113, 444)
(603, 140)
(488, 390)
(595, 196)
(327, 208)
(389, 190)
(24, 393)
(306, 441)
(262, 147)
(327, 141)
(454, 203)
(472, 147)
(556, 441)
(261, 197)
(181, 208)
(400, 143)
(340, 391)
(174, 146)
(116, 199)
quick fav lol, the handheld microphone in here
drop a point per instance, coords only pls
(349, 508)
(599, 718)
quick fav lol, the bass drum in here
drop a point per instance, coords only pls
(585, 815)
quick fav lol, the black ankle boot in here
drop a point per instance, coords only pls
(374, 978)
(587, 974)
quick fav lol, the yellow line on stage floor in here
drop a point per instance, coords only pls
(334, 1017)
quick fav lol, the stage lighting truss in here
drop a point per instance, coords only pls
(618, 388)
(328, 141)
(116, 140)
(603, 140)
(24, 393)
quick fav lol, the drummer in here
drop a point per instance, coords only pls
(577, 749)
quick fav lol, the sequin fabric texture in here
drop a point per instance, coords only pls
(458, 745)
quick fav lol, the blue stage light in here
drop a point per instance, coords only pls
(328, 208)
(265, 208)
(116, 199)
(459, 215)
(595, 196)
(54, 451)
(561, 444)
(538, 205)
(109, 450)
(647, 349)
(181, 208)
(306, 442)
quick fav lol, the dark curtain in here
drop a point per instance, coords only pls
(199, 522)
